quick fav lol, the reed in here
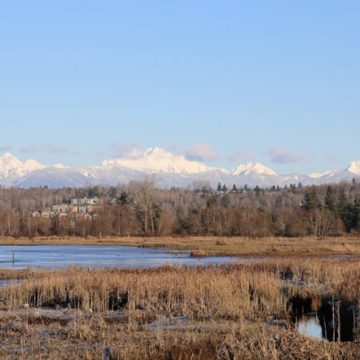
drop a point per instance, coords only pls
(226, 310)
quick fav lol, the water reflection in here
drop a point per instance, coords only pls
(325, 317)
(9, 282)
(310, 326)
(59, 256)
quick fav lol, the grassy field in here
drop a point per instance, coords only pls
(211, 246)
(239, 311)
(243, 311)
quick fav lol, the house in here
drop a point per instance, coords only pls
(88, 217)
(85, 201)
(90, 208)
(93, 201)
(81, 216)
(63, 208)
(74, 209)
(36, 214)
(82, 209)
(45, 214)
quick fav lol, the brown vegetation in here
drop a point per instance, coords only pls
(141, 209)
(226, 311)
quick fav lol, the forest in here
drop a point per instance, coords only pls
(142, 209)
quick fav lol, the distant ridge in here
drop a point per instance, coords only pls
(166, 168)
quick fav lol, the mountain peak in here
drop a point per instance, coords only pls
(11, 166)
(9, 160)
(156, 151)
(157, 160)
(253, 168)
(8, 156)
(354, 167)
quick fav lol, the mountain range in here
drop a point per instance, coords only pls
(165, 168)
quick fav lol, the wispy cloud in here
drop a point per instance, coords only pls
(332, 158)
(45, 148)
(279, 155)
(243, 155)
(119, 150)
(198, 152)
(4, 148)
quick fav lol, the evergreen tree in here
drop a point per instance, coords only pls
(348, 217)
(356, 222)
(311, 200)
(342, 203)
(124, 198)
(330, 199)
(112, 192)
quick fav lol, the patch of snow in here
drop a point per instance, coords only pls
(319, 175)
(11, 166)
(354, 167)
(157, 160)
(253, 168)
(60, 166)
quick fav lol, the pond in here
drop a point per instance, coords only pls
(60, 256)
(310, 326)
(326, 317)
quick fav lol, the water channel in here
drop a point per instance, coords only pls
(94, 256)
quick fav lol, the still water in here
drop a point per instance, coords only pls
(59, 256)
(310, 326)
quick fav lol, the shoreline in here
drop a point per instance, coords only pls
(212, 246)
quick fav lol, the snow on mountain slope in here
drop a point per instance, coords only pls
(12, 167)
(253, 168)
(165, 168)
(55, 178)
(354, 167)
(351, 172)
(60, 166)
(320, 175)
(157, 160)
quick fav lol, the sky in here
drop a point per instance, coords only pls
(224, 82)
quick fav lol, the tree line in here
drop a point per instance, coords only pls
(142, 209)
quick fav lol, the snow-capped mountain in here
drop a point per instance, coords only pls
(157, 160)
(54, 177)
(354, 167)
(253, 168)
(13, 168)
(165, 168)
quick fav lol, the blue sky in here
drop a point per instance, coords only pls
(223, 81)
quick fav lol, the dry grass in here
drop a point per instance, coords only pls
(226, 307)
(217, 246)
(92, 340)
